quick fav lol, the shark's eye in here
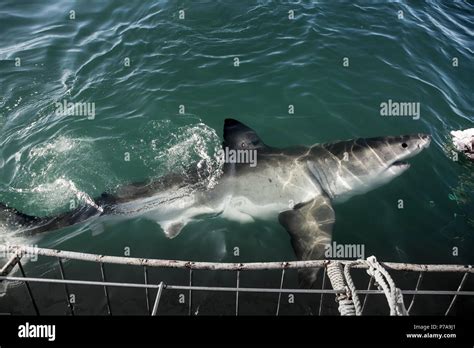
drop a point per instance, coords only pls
(404, 145)
(244, 145)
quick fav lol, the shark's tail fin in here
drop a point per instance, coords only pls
(10, 217)
(14, 219)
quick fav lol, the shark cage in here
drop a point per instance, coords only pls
(347, 287)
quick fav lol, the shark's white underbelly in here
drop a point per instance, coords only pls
(242, 199)
(265, 195)
(242, 209)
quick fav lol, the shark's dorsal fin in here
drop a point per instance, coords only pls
(238, 136)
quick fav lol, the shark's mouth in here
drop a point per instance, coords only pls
(400, 164)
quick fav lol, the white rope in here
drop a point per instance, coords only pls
(346, 306)
(349, 303)
(352, 288)
(385, 282)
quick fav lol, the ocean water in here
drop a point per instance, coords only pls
(162, 85)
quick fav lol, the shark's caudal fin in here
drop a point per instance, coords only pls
(310, 226)
(12, 218)
(240, 137)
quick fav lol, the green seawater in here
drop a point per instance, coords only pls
(162, 86)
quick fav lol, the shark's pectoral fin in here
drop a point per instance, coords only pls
(310, 226)
(173, 228)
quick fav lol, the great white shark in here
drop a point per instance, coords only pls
(296, 185)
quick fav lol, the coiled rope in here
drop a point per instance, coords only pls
(349, 303)
(336, 277)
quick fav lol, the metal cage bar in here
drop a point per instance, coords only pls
(66, 289)
(27, 284)
(190, 292)
(237, 294)
(322, 294)
(145, 274)
(418, 283)
(231, 289)
(279, 294)
(157, 299)
(229, 266)
(19, 251)
(463, 280)
(106, 292)
(11, 263)
(371, 282)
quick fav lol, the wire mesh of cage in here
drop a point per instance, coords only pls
(337, 271)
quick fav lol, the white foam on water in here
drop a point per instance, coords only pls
(62, 190)
(47, 182)
(13, 237)
(61, 144)
(192, 144)
(58, 192)
(51, 178)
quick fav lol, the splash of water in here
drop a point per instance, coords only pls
(196, 143)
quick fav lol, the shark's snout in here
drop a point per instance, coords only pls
(425, 140)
